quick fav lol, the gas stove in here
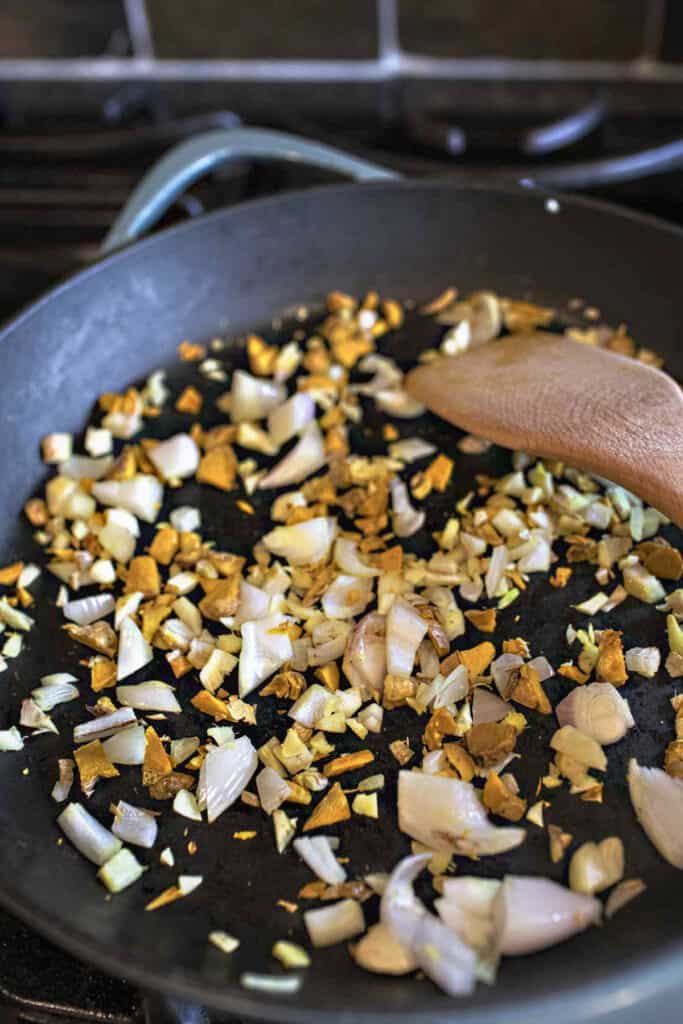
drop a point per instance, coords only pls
(70, 156)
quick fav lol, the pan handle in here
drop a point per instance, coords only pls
(189, 161)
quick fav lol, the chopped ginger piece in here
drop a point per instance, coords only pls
(561, 576)
(348, 763)
(218, 467)
(190, 401)
(333, 808)
(484, 619)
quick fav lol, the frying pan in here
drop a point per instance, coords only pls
(238, 269)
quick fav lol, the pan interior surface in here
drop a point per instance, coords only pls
(238, 270)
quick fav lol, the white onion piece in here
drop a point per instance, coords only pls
(127, 746)
(501, 669)
(263, 651)
(467, 908)
(105, 725)
(121, 871)
(134, 651)
(89, 609)
(307, 709)
(142, 495)
(494, 573)
(32, 717)
(349, 561)
(318, 855)
(537, 559)
(304, 543)
(387, 374)
(453, 688)
(405, 631)
(405, 520)
(290, 418)
(49, 695)
(134, 825)
(80, 467)
(657, 799)
(252, 398)
(90, 838)
(644, 661)
(185, 804)
(381, 952)
(254, 603)
(152, 695)
(543, 667)
(226, 771)
(175, 458)
(118, 541)
(186, 518)
(447, 814)
(334, 923)
(410, 449)
(272, 789)
(11, 739)
(306, 457)
(441, 954)
(531, 914)
(598, 710)
(62, 787)
(371, 717)
(346, 597)
(488, 707)
(397, 402)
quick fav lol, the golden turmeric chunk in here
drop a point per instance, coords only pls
(483, 620)
(167, 786)
(400, 749)
(490, 742)
(10, 574)
(164, 546)
(573, 672)
(221, 600)
(289, 685)
(499, 799)
(226, 563)
(190, 352)
(397, 689)
(99, 636)
(153, 613)
(298, 794)
(440, 724)
(393, 313)
(102, 674)
(460, 761)
(673, 759)
(180, 666)
(143, 576)
(169, 895)
(477, 659)
(157, 762)
(439, 472)
(209, 704)
(611, 666)
(218, 436)
(328, 675)
(189, 401)
(561, 576)
(524, 687)
(389, 432)
(333, 808)
(349, 348)
(348, 763)
(35, 511)
(218, 467)
(93, 764)
(516, 646)
(262, 357)
(126, 466)
(336, 301)
(390, 560)
(312, 890)
(660, 559)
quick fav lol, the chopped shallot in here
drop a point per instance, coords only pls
(533, 913)
(225, 772)
(657, 799)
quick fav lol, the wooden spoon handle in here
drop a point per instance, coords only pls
(592, 408)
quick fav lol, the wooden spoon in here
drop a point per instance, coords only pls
(559, 399)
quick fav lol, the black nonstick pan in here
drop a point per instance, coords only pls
(235, 270)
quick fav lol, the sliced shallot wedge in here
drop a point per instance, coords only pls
(657, 799)
(531, 914)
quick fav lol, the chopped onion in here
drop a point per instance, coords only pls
(97, 442)
(494, 573)
(254, 603)
(218, 665)
(381, 952)
(657, 799)
(264, 650)
(175, 458)
(186, 518)
(277, 985)
(54, 690)
(185, 804)
(334, 923)
(365, 662)
(543, 667)
(184, 747)
(440, 952)
(289, 419)
(329, 641)
(272, 789)
(105, 725)
(347, 558)
(467, 908)
(405, 519)
(308, 708)
(62, 787)
(10, 739)
(127, 605)
(152, 695)
(405, 630)
(531, 914)
(446, 814)
(305, 458)
(399, 403)
(583, 748)
(90, 838)
(32, 717)
(304, 543)
(142, 495)
(121, 871)
(226, 771)
(371, 717)
(80, 467)
(317, 854)
(597, 866)
(598, 710)
(387, 374)
(13, 617)
(346, 597)
(488, 707)
(134, 825)
(644, 661)
(252, 398)
(134, 651)
(127, 746)
(410, 449)
(501, 669)
(89, 609)
(118, 541)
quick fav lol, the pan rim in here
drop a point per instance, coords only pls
(655, 974)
